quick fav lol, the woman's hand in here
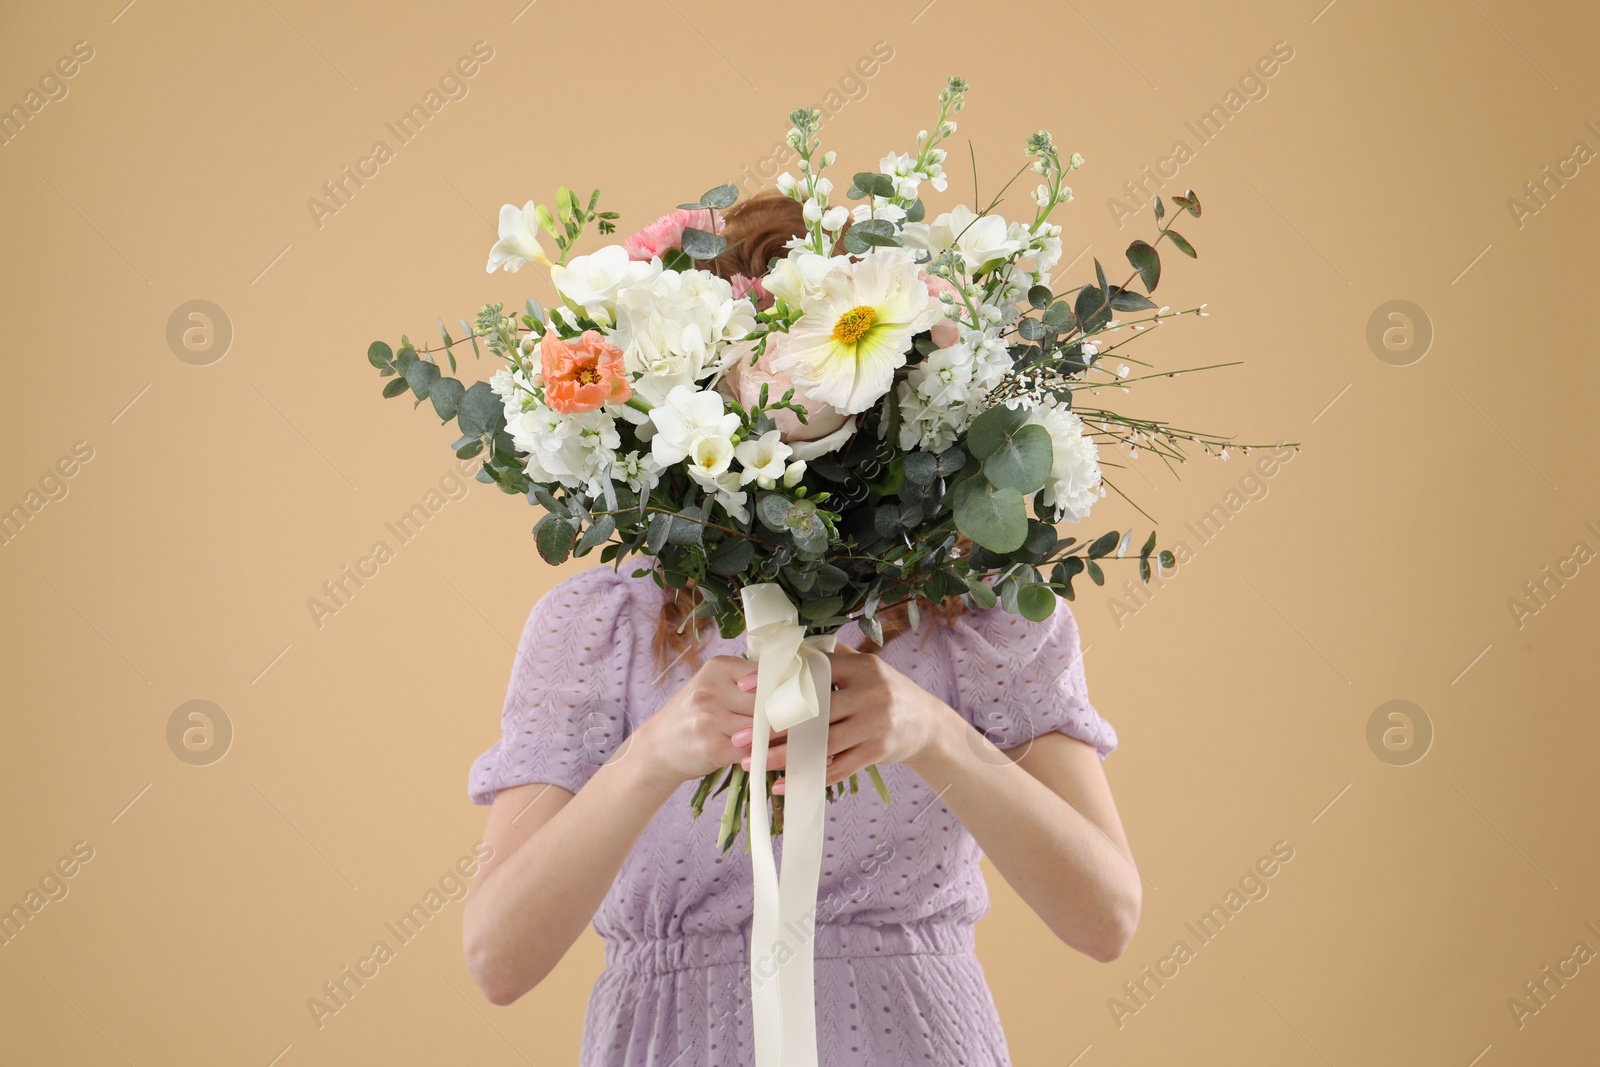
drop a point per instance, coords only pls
(703, 727)
(875, 715)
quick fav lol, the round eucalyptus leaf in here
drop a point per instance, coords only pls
(1022, 461)
(995, 517)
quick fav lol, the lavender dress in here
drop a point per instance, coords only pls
(896, 978)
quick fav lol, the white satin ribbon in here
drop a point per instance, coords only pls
(793, 681)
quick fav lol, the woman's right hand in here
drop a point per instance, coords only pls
(703, 727)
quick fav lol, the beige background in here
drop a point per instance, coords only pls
(1378, 566)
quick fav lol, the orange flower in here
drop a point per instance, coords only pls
(583, 375)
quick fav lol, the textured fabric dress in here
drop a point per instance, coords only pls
(897, 981)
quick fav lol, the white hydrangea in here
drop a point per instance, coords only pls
(674, 328)
(1075, 483)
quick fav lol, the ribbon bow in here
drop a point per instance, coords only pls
(793, 682)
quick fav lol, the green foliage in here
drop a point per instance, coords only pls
(555, 537)
(1035, 601)
(703, 244)
(1145, 260)
(1021, 461)
(994, 517)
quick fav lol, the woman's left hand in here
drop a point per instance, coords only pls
(875, 715)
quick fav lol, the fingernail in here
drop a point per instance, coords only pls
(748, 682)
(777, 787)
(745, 763)
(742, 737)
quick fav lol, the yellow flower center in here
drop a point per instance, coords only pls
(588, 376)
(853, 324)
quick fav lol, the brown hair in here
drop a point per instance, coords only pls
(757, 230)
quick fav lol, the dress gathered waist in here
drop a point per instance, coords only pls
(691, 951)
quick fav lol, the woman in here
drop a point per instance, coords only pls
(979, 720)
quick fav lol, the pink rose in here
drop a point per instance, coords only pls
(743, 382)
(666, 233)
(945, 332)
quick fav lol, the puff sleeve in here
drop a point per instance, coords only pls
(566, 704)
(1017, 679)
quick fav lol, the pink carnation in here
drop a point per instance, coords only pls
(666, 233)
(746, 286)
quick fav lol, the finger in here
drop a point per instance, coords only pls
(843, 764)
(777, 758)
(736, 700)
(849, 665)
(745, 735)
(845, 703)
(778, 786)
(847, 733)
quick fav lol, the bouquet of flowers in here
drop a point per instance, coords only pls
(899, 409)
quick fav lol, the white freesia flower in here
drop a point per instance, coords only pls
(685, 416)
(855, 332)
(710, 456)
(797, 278)
(1074, 483)
(725, 487)
(677, 328)
(592, 282)
(980, 240)
(519, 239)
(764, 459)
